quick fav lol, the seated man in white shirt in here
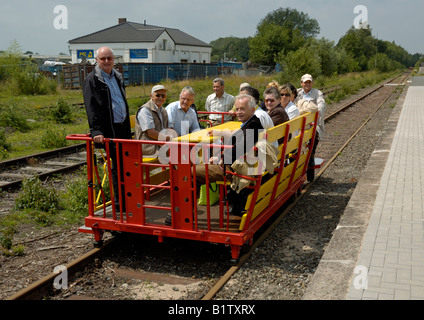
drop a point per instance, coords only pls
(219, 101)
(181, 117)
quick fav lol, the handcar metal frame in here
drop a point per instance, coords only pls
(143, 178)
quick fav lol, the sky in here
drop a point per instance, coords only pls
(39, 28)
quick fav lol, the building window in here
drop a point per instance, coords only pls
(164, 44)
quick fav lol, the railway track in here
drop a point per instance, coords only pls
(43, 165)
(336, 127)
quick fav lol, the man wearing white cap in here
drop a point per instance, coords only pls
(152, 118)
(316, 96)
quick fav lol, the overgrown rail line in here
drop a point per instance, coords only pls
(340, 131)
(42, 165)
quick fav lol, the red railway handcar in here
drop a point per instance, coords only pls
(154, 188)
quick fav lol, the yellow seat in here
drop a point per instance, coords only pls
(286, 173)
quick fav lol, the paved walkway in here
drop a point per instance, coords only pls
(377, 250)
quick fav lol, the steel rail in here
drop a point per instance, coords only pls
(232, 270)
(39, 288)
(42, 155)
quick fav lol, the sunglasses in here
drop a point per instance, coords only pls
(160, 95)
(105, 58)
(285, 94)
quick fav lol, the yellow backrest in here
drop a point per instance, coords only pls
(295, 130)
(132, 121)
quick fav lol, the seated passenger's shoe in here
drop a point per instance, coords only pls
(236, 212)
(310, 174)
(168, 220)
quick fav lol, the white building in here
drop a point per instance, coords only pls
(141, 43)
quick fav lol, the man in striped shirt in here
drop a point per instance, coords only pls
(219, 101)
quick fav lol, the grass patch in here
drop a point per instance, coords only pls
(41, 204)
(33, 123)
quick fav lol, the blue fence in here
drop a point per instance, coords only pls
(150, 73)
(143, 73)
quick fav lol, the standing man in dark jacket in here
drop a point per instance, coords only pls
(107, 108)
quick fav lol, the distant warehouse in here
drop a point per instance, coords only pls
(147, 54)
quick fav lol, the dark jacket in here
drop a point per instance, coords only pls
(243, 140)
(278, 115)
(98, 105)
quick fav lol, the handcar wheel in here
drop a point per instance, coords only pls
(98, 244)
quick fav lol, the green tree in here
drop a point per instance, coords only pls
(280, 32)
(304, 60)
(293, 19)
(345, 61)
(326, 52)
(383, 63)
(233, 47)
(360, 44)
(270, 40)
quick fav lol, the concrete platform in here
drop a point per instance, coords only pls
(377, 250)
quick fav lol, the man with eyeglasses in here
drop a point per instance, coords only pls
(107, 107)
(181, 117)
(152, 121)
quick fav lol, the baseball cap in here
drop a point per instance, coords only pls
(158, 87)
(307, 77)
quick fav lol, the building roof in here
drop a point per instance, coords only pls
(137, 32)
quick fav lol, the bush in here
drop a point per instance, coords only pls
(61, 111)
(29, 81)
(297, 63)
(4, 145)
(9, 117)
(22, 75)
(77, 194)
(54, 139)
(36, 196)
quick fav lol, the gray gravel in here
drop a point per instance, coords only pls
(281, 268)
